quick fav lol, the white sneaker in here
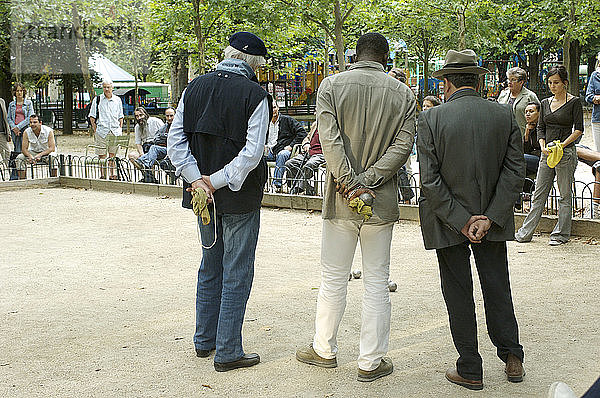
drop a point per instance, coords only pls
(558, 389)
(596, 211)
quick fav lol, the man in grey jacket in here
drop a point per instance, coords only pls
(471, 169)
(366, 127)
(4, 134)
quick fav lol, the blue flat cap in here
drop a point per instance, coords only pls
(248, 43)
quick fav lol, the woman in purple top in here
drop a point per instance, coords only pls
(561, 118)
(19, 112)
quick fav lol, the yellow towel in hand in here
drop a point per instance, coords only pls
(556, 154)
(358, 206)
(200, 205)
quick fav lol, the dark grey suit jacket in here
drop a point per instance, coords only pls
(471, 162)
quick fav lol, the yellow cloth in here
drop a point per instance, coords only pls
(556, 154)
(358, 206)
(200, 205)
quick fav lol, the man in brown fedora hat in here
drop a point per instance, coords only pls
(471, 169)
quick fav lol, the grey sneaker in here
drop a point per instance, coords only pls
(556, 242)
(521, 240)
(385, 368)
(309, 356)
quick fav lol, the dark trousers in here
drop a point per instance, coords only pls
(457, 289)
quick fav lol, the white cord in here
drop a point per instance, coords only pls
(214, 221)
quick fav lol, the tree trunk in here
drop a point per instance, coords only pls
(83, 53)
(199, 36)
(5, 71)
(339, 38)
(573, 68)
(136, 101)
(426, 56)
(68, 104)
(571, 55)
(534, 71)
(179, 73)
(591, 64)
(326, 63)
(502, 67)
(460, 16)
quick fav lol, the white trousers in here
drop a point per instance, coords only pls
(596, 133)
(337, 251)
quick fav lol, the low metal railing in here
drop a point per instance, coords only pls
(162, 172)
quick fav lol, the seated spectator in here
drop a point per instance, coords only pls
(158, 149)
(284, 133)
(398, 74)
(430, 101)
(38, 142)
(405, 193)
(531, 145)
(531, 148)
(145, 130)
(592, 158)
(301, 167)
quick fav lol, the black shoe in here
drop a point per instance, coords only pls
(203, 353)
(244, 362)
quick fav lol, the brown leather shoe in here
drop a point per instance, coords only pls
(453, 377)
(514, 369)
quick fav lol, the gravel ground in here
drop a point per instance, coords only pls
(97, 300)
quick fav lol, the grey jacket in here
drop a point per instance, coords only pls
(4, 118)
(366, 127)
(471, 162)
(525, 97)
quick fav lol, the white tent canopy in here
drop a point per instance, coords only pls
(108, 69)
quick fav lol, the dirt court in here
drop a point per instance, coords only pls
(97, 300)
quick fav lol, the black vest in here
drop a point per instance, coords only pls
(217, 107)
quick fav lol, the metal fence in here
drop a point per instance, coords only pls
(163, 172)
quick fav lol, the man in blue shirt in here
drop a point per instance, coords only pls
(216, 144)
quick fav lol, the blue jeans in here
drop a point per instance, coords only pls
(531, 163)
(280, 159)
(17, 140)
(154, 153)
(224, 283)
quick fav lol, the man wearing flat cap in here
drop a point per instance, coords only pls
(471, 170)
(216, 144)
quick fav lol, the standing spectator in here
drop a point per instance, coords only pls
(302, 167)
(216, 143)
(561, 118)
(5, 136)
(366, 126)
(471, 169)
(284, 133)
(158, 149)
(145, 131)
(592, 96)
(517, 95)
(106, 118)
(19, 112)
(38, 143)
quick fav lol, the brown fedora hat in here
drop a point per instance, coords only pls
(464, 61)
